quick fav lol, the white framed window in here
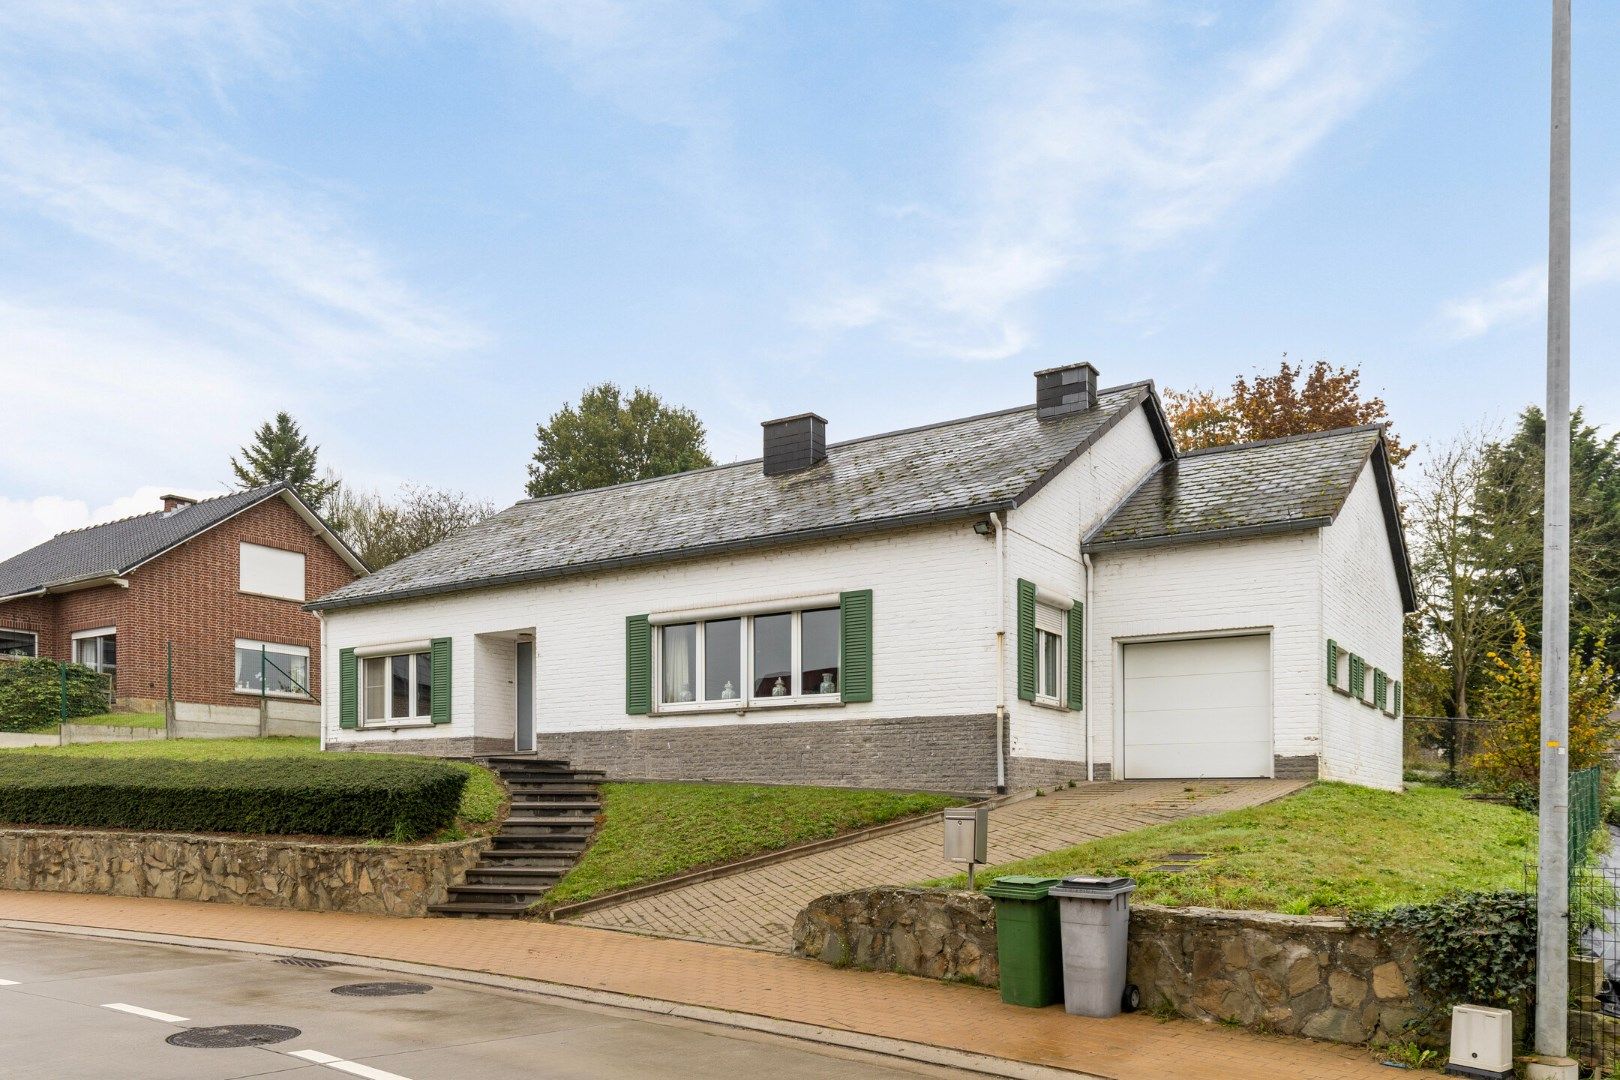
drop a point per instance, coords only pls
(19, 643)
(396, 688)
(1049, 654)
(748, 660)
(97, 649)
(268, 571)
(277, 670)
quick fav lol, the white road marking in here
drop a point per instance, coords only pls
(150, 1014)
(8, 982)
(353, 1068)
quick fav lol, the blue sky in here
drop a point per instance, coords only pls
(423, 227)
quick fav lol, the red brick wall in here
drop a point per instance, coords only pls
(189, 596)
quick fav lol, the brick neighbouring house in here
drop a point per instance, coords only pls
(217, 578)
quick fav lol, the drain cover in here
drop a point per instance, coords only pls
(381, 989)
(231, 1036)
(305, 961)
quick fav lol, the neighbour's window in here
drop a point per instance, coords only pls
(1048, 654)
(749, 659)
(272, 669)
(97, 649)
(18, 643)
(398, 688)
(268, 571)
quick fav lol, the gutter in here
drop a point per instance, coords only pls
(1001, 652)
(1242, 532)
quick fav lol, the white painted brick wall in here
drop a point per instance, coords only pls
(1361, 605)
(933, 640)
(1266, 583)
(1044, 547)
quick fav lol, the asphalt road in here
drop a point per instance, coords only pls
(58, 1021)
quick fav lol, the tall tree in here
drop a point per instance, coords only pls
(608, 439)
(1295, 401)
(280, 453)
(383, 531)
(1509, 505)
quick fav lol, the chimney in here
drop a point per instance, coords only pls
(794, 443)
(1060, 391)
(171, 503)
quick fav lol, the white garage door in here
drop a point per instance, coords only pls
(1198, 707)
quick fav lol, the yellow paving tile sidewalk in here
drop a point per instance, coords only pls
(737, 981)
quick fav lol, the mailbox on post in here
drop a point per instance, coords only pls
(967, 830)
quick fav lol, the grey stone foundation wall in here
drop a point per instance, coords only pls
(461, 746)
(309, 876)
(1304, 767)
(1293, 975)
(1031, 772)
(934, 753)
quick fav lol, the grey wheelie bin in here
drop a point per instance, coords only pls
(1094, 914)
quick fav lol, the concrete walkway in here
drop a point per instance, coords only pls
(757, 908)
(907, 1018)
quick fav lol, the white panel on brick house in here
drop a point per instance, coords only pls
(1198, 707)
(270, 571)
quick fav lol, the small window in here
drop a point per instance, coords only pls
(775, 657)
(18, 643)
(97, 649)
(262, 666)
(1049, 656)
(268, 571)
(397, 689)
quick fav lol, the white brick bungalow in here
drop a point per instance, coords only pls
(1044, 593)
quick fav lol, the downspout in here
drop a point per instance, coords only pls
(1085, 675)
(1001, 653)
(326, 675)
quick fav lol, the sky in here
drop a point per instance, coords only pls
(421, 228)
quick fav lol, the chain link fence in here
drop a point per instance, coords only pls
(1440, 749)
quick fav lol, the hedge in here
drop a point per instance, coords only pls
(31, 693)
(386, 798)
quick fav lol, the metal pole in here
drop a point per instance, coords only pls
(168, 689)
(1552, 903)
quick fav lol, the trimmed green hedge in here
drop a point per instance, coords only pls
(385, 798)
(31, 693)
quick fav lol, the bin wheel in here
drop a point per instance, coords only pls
(1132, 999)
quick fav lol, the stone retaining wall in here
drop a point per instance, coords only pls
(1294, 975)
(370, 879)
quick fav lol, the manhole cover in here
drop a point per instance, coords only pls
(381, 989)
(231, 1036)
(305, 961)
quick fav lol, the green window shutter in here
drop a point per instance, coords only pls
(855, 645)
(1333, 662)
(1358, 682)
(440, 650)
(348, 689)
(1398, 702)
(1380, 688)
(637, 665)
(1077, 656)
(1026, 640)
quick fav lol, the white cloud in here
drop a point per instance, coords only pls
(1089, 145)
(25, 523)
(1523, 295)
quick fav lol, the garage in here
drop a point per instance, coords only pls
(1198, 707)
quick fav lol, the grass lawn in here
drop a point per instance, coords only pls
(121, 719)
(481, 799)
(653, 831)
(1330, 849)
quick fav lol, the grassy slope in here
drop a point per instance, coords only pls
(143, 720)
(1329, 849)
(653, 831)
(481, 799)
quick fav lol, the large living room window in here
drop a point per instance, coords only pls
(272, 669)
(398, 688)
(771, 658)
(19, 643)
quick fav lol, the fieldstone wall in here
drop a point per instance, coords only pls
(1294, 975)
(372, 879)
(931, 932)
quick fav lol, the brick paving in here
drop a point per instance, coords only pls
(741, 981)
(757, 908)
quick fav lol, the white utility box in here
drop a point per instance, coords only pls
(1481, 1042)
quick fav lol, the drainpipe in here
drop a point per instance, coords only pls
(326, 676)
(1085, 675)
(1001, 653)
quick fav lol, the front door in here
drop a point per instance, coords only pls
(525, 696)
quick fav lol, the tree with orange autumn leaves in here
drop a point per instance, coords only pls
(1294, 401)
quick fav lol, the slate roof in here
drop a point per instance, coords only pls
(1254, 489)
(957, 469)
(117, 547)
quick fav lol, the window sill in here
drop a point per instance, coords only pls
(1051, 703)
(820, 701)
(396, 725)
(277, 694)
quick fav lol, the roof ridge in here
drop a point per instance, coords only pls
(1303, 436)
(933, 425)
(155, 513)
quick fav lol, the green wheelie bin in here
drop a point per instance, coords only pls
(1028, 940)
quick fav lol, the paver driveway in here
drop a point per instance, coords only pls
(757, 907)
